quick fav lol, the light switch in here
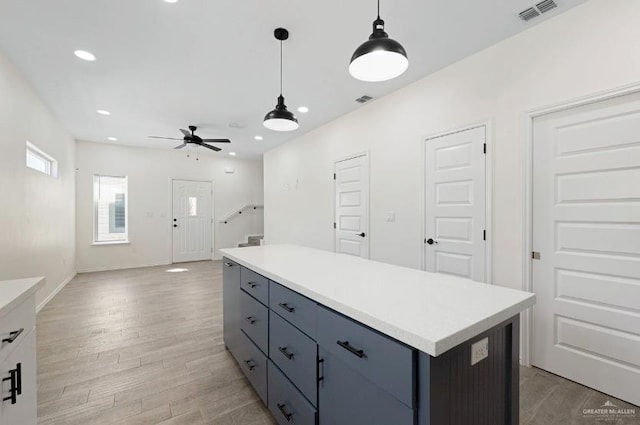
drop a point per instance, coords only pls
(479, 351)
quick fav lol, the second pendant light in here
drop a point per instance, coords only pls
(380, 58)
(280, 119)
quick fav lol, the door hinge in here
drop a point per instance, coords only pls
(425, 240)
(484, 235)
(484, 148)
(334, 225)
(334, 176)
(535, 255)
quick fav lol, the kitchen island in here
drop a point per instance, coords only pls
(333, 339)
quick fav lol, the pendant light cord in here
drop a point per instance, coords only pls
(280, 67)
(378, 9)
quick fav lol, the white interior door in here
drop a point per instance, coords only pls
(352, 206)
(191, 220)
(586, 227)
(455, 204)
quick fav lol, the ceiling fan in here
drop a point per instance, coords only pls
(191, 137)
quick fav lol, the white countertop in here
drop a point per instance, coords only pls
(14, 292)
(428, 311)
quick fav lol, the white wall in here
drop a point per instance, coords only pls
(37, 212)
(591, 48)
(149, 174)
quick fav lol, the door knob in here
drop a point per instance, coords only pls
(175, 225)
(431, 241)
(362, 235)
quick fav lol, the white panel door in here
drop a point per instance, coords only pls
(586, 227)
(352, 206)
(455, 204)
(191, 220)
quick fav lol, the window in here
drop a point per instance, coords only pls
(40, 161)
(110, 206)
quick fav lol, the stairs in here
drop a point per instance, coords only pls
(251, 241)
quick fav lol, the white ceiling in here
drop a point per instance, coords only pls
(211, 63)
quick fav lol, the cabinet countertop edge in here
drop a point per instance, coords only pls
(14, 292)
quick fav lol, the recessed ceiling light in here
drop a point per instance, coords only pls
(171, 1)
(258, 137)
(103, 112)
(84, 55)
(303, 109)
(232, 153)
(112, 139)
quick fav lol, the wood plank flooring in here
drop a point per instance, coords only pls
(144, 347)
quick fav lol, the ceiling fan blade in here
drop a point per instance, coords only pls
(216, 140)
(213, 148)
(167, 138)
(180, 146)
(185, 132)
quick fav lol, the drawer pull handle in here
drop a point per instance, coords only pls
(228, 264)
(286, 414)
(251, 320)
(15, 376)
(285, 306)
(351, 349)
(286, 353)
(252, 285)
(13, 336)
(250, 364)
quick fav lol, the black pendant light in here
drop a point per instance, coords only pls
(380, 58)
(280, 119)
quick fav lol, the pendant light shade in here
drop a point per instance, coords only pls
(380, 58)
(281, 119)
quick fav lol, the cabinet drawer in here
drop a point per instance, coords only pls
(295, 354)
(382, 360)
(22, 361)
(348, 398)
(255, 284)
(254, 365)
(298, 310)
(15, 325)
(254, 321)
(286, 403)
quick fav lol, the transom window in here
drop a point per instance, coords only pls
(38, 160)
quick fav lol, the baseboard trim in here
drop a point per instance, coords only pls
(54, 292)
(112, 268)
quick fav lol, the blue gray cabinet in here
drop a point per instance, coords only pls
(314, 366)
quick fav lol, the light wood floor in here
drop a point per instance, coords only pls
(144, 346)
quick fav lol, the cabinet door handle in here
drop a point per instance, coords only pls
(286, 414)
(285, 306)
(228, 264)
(13, 336)
(350, 348)
(13, 391)
(251, 320)
(286, 353)
(252, 284)
(19, 378)
(250, 364)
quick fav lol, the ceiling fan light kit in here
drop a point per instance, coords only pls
(380, 58)
(280, 118)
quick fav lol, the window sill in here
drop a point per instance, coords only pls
(110, 243)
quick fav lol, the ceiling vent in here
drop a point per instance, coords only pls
(540, 8)
(529, 14)
(546, 5)
(364, 99)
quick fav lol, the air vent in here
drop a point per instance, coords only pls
(364, 99)
(546, 5)
(530, 13)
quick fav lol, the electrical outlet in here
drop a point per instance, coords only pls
(479, 351)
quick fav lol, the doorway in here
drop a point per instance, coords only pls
(191, 221)
(352, 206)
(455, 204)
(586, 245)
